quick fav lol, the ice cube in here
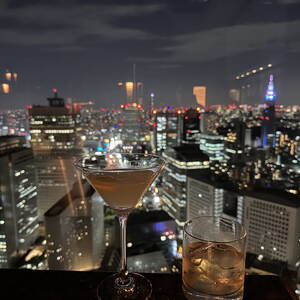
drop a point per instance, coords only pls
(216, 269)
(225, 256)
(198, 249)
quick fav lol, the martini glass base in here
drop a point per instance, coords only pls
(136, 288)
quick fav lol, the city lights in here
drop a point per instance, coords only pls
(8, 76)
(5, 88)
(253, 72)
(239, 161)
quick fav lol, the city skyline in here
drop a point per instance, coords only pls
(209, 86)
(84, 49)
(236, 161)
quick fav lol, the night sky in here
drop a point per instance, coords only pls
(84, 47)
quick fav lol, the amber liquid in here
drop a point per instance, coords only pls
(122, 189)
(213, 269)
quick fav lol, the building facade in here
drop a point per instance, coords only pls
(18, 199)
(75, 230)
(131, 128)
(190, 126)
(206, 197)
(180, 161)
(213, 146)
(272, 220)
(54, 131)
(166, 130)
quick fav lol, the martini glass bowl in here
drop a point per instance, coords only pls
(121, 179)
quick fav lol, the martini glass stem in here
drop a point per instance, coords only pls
(123, 225)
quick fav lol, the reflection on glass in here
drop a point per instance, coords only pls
(75, 231)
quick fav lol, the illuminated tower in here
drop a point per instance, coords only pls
(152, 101)
(268, 116)
(200, 94)
(270, 94)
(132, 91)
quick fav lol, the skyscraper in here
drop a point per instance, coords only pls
(53, 131)
(166, 130)
(181, 161)
(273, 224)
(132, 125)
(75, 230)
(200, 94)
(52, 127)
(213, 146)
(234, 95)
(212, 197)
(269, 116)
(18, 199)
(129, 90)
(134, 92)
(190, 126)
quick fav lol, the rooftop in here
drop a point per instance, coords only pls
(276, 196)
(187, 152)
(206, 177)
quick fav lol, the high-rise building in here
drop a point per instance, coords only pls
(208, 197)
(166, 130)
(269, 116)
(181, 160)
(75, 230)
(14, 122)
(272, 221)
(212, 145)
(209, 121)
(200, 94)
(190, 126)
(134, 92)
(53, 131)
(235, 95)
(52, 127)
(18, 199)
(140, 93)
(236, 139)
(129, 90)
(132, 125)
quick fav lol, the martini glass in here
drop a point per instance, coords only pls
(121, 179)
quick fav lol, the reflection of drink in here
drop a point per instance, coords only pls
(213, 268)
(122, 188)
